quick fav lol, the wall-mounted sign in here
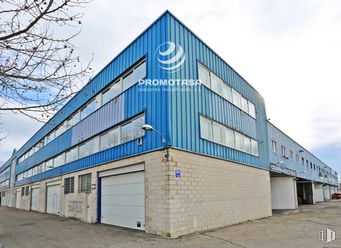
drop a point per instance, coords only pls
(287, 171)
(93, 186)
(178, 174)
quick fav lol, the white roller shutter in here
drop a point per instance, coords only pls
(35, 199)
(326, 192)
(123, 200)
(53, 198)
(18, 199)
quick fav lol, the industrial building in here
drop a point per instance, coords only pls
(167, 138)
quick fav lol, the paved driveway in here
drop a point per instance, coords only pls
(28, 229)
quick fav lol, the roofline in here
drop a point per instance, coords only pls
(300, 146)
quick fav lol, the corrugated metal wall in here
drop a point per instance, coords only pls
(303, 171)
(136, 99)
(186, 106)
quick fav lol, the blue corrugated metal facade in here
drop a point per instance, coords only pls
(135, 101)
(174, 113)
(298, 159)
(186, 106)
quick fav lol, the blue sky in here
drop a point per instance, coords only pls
(288, 50)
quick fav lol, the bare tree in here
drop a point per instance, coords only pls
(39, 70)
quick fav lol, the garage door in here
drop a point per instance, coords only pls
(122, 200)
(326, 193)
(53, 196)
(18, 199)
(35, 199)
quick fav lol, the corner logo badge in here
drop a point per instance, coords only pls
(170, 56)
(327, 235)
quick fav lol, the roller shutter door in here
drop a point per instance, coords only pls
(53, 198)
(123, 200)
(35, 199)
(18, 199)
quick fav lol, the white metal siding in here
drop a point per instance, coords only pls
(123, 200)
(53, 196)
(35, 199)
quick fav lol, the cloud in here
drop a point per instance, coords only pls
(288, 50)
(18, 129)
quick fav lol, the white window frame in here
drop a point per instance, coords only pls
(274, 146)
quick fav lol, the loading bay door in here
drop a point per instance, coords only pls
(123, 199)
(53, 197)
(18, 199)
(35, 199)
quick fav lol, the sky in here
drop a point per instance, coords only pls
(290, 51)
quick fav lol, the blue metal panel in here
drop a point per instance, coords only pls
(303, 171)
(145, 44)
(136, 99)
(185, 106)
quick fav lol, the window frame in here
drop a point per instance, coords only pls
(92, 101)
(130, 136)
(209, 128)
(283, 151)
(274, 146)
(233, 96)
(291, 154)
(110, 98)
(80, 180)
(69, 188)
(118, 130)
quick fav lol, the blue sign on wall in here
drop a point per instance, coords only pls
(178, 173)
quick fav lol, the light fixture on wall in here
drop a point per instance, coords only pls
(149, 128)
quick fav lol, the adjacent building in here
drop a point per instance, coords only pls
(167, 138)
(297, 176)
